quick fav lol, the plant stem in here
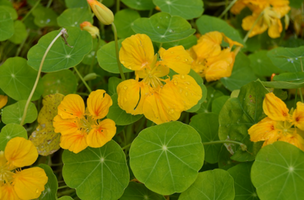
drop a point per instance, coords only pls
(81, 78)
(128, 145)
(117, 5)
(122, 75)
(22, 44)
(63, 187)
(243, 146)
(227, 8)
(253, 25)
(29, 12)
(38, 75)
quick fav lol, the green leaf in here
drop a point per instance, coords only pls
(137, 191)
(74, 17)
(60, 56)
(187, 43)
(225, 161)
(17, 79)
(210, 185)
(45, 17)
(97, 173)
(119, 116)
(218, 103)
(107, 58)
(207, 24)
(241, 73)
(20, 33)
(63, 82)
(277, 172)
(6, 24)
(65, 198)
(282, 84)
(10, 131)
(162, 27)
(113, 82)
(11, 10)
(139, 4)
(296, 3)
(292, 76)
(206, 124)
(261, 64)
(167, 157)
(287, 59)
(238, 115)
(123, 21)
(242, 182)
(186, 9)
(50, 191)
(13, 113)
(211, 95)
(76, 4)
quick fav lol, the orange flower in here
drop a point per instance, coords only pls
(80, 128)
(3, 101)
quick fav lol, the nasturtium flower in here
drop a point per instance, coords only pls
(157, 96)
(210, 59)
(93, 30)
(15, 183)
(266, 14)
(280, 123)
(81, 127)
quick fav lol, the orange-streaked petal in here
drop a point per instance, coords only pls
(176, 58)
(294, 139)
(263, 130)
(101, 134)
(20, 152)
(208, 45)
(3, 101)
(29, 183)
(275, 108)
(298, 116)
(99, 103)
(74, 142)
(137, 52)
(65, 126)
(71, 106)
(8, 192)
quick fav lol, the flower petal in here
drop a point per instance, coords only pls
(3, 101)
(275, 108)
(99, 103)
(177, 59)
(298, 116)
(65, 126)
(275, 28)
(294, 139)
(263, 130)
(102, 133)
(29, 183)
(7, 192)
(137, 52)
(208, 45)
(20, 152)
(74, 142)
(71, 106)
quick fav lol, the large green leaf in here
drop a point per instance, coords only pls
(119, 116)
(20, 32)
(97, 173)
(139, 4)
(167, 157)
(13, 113)
(50, 191)
(238, 115)
(277, 172)
(61, 56)
(208, 23)
(137, 191)
(210, 185)
(124, 21)
(6, 23)
(206, 124)
(10, 131)
(186, 9)
(162, 27)
(17, 79)
(74, 17)
(287, 59)
(242, 182)
(45, 16)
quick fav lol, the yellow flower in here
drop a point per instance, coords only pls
(279, 125)
(210, 61)
(80, 127)
(158, 97)
(3, 101)
(104, 14)
(16, 184)
(93, 30)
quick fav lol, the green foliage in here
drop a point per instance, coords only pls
(51, 186)
(10, 131)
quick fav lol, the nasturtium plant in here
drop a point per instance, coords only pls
(151, 99)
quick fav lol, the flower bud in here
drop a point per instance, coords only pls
(87, 26)
(104, 14)
(3, 101)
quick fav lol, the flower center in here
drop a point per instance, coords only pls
(85, 123)
(284, 128)
(6, 175)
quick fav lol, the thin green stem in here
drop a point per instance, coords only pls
(38, 75)
(151, 12)
(63, 187)
(227, 8)
(117, 5)
(22, 44)
(81, 78)
(122, 75)
(49, 3)
(125, 147)
(253, 25)
(29, 12)
(243, 146)
(95, 53)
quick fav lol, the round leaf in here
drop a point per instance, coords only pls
(44, 17)
(6, 24)
(51, 186)
(139, 4)
(61, 56)
(124, 21)
(10, 131)
(74, 17)
(210, 185)
(17, 79)
(162, 27)
(13, 113)
(20, 32)
(65, 198)
(76, 4)
(167, 157)
(137, 191)
(186, 9)
(119, 116)
(97, 173)
(277, 172)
